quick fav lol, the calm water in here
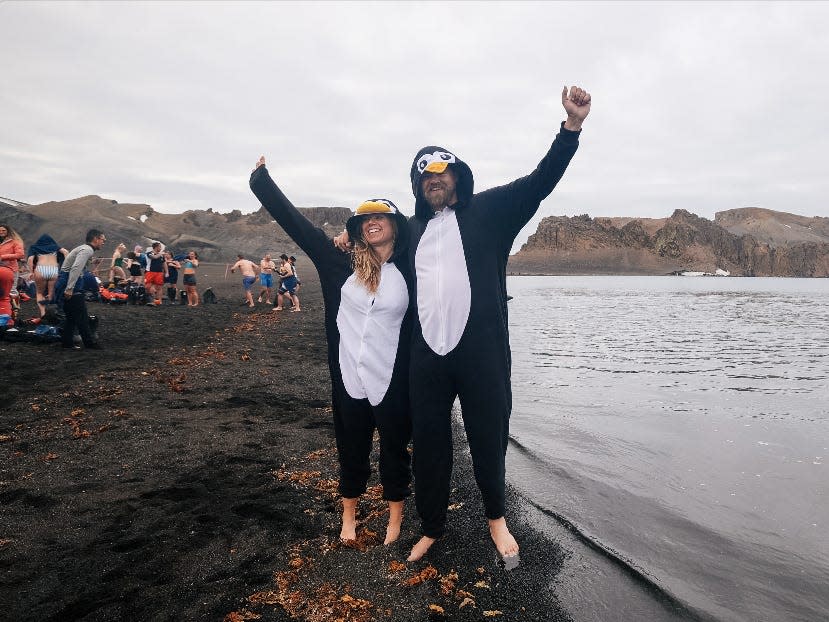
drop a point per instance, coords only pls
(682, 424)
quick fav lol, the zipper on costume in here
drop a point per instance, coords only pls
(363, 342)
(441, 322)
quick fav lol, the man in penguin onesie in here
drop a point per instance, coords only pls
(459, 245)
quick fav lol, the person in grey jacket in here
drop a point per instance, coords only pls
(69, 290)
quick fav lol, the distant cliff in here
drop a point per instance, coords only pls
(215, 236)
(745, 242)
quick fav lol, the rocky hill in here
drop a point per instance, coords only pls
(215, 236)
(748, 241)
(745, 242)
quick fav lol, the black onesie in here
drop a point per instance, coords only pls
(460, 340)
(368, 349)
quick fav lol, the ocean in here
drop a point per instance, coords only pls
(680, 427)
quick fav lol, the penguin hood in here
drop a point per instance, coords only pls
(433, 159)
(386, 207)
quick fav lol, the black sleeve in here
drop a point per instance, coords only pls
(511, 206)
(312, 240)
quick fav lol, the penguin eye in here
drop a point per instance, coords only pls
(447, 156)
(423, 162)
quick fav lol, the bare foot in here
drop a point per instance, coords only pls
(349, 530)
(395, 521)
(504, 542)
(419, 549)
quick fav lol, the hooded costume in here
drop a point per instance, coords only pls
(460, 339)
(45, 245)
(368, 343)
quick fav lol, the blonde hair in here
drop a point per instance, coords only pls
(367, 264)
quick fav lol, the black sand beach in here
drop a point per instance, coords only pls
(187, 472)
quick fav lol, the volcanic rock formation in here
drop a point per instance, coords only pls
(745, 242)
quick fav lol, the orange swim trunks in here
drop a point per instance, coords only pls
(154, 278)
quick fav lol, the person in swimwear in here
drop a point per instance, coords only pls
(288, 286)
(266, 270)
(248, 270)
(171, 280)
(116, 267)
(45, 257)
(292, 259)
(188, 276)
(133, 265)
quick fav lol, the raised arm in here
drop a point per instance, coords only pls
(519, 200)
(577, 106)
(312, 240)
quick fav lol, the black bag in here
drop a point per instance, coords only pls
(136, 294)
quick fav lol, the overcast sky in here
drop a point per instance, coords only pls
(700, 106)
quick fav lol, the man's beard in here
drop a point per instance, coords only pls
(437, 198)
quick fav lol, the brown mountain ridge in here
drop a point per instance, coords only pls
(744, 242)
(747, 241)
(215, 236)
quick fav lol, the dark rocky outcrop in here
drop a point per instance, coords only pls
(748, 242)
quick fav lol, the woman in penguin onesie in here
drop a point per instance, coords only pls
(368, 326)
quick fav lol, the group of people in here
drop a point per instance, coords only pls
(288, 283)
(59, 276)
(416, 316)
(155, 270)
(65, 278)
(40, 266)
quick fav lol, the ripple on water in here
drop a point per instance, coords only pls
(684, 413)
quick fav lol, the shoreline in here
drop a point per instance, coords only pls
(189, 474)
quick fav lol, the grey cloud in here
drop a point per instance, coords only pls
(697, 106)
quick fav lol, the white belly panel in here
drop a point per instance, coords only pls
(443, 292)
(369, 326)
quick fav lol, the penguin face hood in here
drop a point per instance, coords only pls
(434, 159)
(380, 206)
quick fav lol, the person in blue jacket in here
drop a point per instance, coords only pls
(459, 246)
(368, 325)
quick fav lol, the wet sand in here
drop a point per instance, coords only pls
(187, 471)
